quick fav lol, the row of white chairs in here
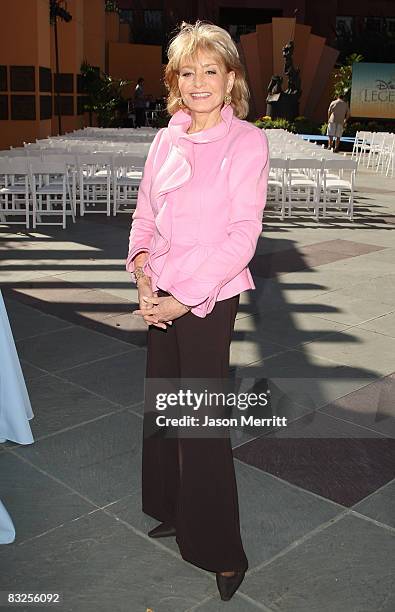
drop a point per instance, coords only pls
(62, 184)
(107, 180)
(312, 185)
(375, 150)
(306, 177)
(33, 189)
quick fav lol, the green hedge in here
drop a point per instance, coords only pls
(302, 125)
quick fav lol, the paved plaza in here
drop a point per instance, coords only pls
(317, 498)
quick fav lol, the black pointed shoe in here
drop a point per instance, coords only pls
(228, 585)
(164, 530)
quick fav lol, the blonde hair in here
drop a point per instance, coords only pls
(206, 36)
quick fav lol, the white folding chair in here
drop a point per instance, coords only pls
(95, 183)
(338, 192)
(357, 146)
(368, 141)
(72, 169)
(127, 172)
(303, 184)
(51, 191)
(15, 195)
(385, 153)
(390, 159)
(277, 183)
(376, 147)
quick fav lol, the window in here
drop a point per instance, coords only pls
(238, 30)
(344, 26)
(239, 21)
(126, 16)
(153, 20)
(373, 24)
(390, 25)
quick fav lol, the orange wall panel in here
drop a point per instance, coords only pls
(265, 57)
(19, 18)
(94, 33)
(302, 35)
(112, 27)
(124, 32)
(310, 67)
(129, 61)
(44, 129)
(15, 133)
(326, 65)
(320, 112)
(43, 34)
(249, 44)
(283, 32)
(70, 39)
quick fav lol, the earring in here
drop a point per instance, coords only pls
(180, 102)
(227, 99)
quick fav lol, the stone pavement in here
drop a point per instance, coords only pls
(317, 499)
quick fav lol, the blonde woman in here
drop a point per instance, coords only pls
(194, 232)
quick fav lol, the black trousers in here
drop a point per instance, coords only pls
(140, 117)
(191, 481)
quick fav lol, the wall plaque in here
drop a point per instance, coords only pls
(81, 101)
(80, 84)
(3, 108)
(45, 107)
(45, 79)
(66, 105)
(23, 108)
(3, 78)
(23, 78)
(64, 82)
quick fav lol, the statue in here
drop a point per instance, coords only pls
(275, 85)
(294, 82)
(285, 103)
(292, 73)
(288, 50)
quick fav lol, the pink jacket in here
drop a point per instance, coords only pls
(199, 209)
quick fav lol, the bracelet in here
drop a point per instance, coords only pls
(139, 273)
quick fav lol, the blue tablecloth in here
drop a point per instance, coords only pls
(7, 529)
(322, 138)
(15, 407)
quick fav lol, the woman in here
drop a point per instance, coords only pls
(194, 231)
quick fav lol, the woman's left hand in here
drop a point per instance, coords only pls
(164, 310)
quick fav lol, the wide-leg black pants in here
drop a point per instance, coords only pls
(191, 481)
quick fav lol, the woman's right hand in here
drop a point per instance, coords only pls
(144, 289)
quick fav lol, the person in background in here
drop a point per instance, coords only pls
(338, 113)
(139, 103)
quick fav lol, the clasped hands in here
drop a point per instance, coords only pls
(157, 311)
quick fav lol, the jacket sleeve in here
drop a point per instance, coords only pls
(143, 221)
(248, 188)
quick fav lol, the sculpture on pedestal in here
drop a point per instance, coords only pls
(281, 103)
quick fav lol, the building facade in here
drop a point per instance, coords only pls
(28, 85)
(133, 42)
(154, 20)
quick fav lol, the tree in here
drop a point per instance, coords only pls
(343, 76)
(111, 6)
(104, 95)
(375, 46)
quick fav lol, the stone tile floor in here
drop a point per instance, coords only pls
(317, 500)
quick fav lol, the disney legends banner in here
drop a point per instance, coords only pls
(373, 91)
